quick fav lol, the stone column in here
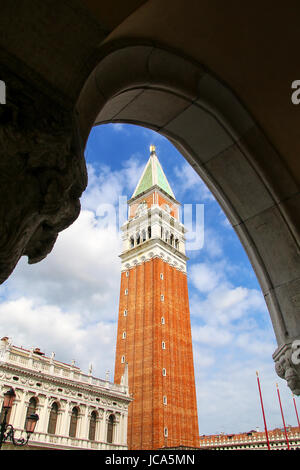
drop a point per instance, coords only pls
(44, 411)
(117, 429)
(83, 422)
(102, 427)
(123, 427)
(41, 411)
(98, 426)
(23, 409)
(20, 403)
(65, 420)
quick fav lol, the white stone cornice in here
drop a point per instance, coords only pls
(154, 248)
(68, 386)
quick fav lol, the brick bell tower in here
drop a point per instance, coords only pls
(154, 332)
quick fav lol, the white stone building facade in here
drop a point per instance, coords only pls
(76, 410)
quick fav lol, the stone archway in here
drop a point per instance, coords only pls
(147, 85)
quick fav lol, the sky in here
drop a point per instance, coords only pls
(68, 303)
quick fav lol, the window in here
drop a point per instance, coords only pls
(163, 345)
(31, 408)
(162, 298)
(73, 422)
(165, 432)
(164, 372)
(131, 242)
(124, 335)
(161, 276)
(165, 400)
(127, 273)
(53, 418)
(162, 320)
(149, 232)
(122, 359)
(92, 429)
(126, 291)
(110, 428)
(125, 313)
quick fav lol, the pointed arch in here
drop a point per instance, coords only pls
(212, 128)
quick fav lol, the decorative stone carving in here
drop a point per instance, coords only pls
(42, 174)
(287, 364)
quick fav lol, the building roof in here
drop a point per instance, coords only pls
(217, 440)
(153, 175)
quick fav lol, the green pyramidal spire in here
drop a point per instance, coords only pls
(153, 175)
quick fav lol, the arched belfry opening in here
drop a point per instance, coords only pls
(149, 86)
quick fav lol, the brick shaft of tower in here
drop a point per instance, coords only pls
(154, 331)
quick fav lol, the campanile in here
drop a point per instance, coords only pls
(154, 331)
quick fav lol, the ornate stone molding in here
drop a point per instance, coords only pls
(287, 364)
(144, 259)
(42, 174)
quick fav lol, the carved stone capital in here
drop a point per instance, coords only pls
(287, 364)
(42, 174)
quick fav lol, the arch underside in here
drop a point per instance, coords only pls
(149, 86)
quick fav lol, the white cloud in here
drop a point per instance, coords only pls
(226, 304)
(191, 181)
(119, 127)
(216, 300)
(203, 358)
(105, 186)
(204, 277)
(82, 272)
(259, 344)
(210, 335)
(31, 324)
(212, 243)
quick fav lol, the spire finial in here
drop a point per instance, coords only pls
(152, 149)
